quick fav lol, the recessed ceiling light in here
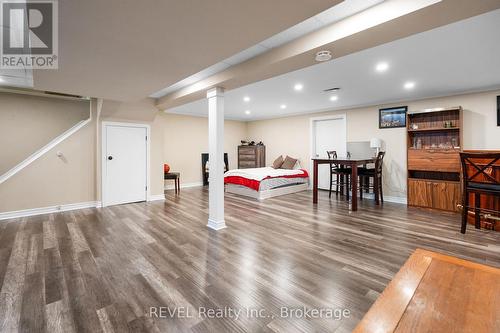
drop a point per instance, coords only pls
(409, 85)
(283, 106)
(323, 56)
(298, 87)
(334, 98)
(247, 112)
(246, 99)
(382, 67)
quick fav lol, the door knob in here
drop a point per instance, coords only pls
(110, 158)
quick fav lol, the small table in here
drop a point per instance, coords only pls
(434, 292)
(353, 162)
(176, 176)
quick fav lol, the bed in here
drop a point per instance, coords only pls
(264, 183)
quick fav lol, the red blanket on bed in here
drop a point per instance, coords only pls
(255, 184)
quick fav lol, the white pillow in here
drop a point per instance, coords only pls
(297, 165)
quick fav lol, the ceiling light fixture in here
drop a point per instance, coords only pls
(409, 85)
(246, 99)
(283, 106)
(334, 98)
(298, 87)
(382, 67)
(323, 56)
(247, 112)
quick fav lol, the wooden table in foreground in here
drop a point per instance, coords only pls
(352, 162)
(437, 293)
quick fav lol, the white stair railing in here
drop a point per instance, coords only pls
(42, 151)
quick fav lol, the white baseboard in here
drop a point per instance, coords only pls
(399, 200)
(49, 210)
(371, 196)
(156, 197)
(216, 225)
(184, 185)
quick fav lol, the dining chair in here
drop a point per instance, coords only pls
(375, 174)
(342, 175)
(480, 176)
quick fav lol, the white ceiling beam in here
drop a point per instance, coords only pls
(388, 21)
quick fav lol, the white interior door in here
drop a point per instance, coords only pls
(328, 134)
(125, 164)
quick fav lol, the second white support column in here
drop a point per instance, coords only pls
(215, 98)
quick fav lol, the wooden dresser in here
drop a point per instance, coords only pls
(434, 145)
(251, 157)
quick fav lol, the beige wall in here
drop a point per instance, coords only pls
(292, 135)
(180, 140)
(53, 180)
(74, 178)
(27, 123)
(186, 137)
(137, 111)
(175, 139)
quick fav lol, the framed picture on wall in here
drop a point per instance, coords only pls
(392, 117)
(498, 110)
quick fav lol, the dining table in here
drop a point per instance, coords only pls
(346, 161)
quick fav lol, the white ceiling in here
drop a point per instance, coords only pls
(329, 16)
(459, 57)
(125, 50)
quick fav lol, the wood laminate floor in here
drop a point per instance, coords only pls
(101, 270)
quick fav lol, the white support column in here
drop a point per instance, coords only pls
(215, 98)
